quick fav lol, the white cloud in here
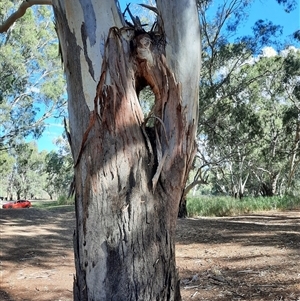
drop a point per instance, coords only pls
(286, 51)
(269, 52)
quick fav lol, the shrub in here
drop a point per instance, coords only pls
(228, 206)
(64, 200)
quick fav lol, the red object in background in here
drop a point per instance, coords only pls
(17, 204)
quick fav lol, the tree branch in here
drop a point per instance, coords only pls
(20, 12)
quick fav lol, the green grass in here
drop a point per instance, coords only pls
(208, 205)
(60, 202)
(44, 204)
(228, 206)
(52, 206)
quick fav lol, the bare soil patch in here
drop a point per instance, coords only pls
(254, 257)
(36, 254)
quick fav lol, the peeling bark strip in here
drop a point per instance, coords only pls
(129, 173)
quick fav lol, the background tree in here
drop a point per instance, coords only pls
(279, 145)
(32, 84)
(59, 170)
(6, 168)
(27, 177)
(225, 54)
(28, 173)
(253, 140)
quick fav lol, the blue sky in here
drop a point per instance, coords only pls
(261, 9)
(54, 129)
(271, 10)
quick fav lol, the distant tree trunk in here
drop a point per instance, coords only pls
(274, 183)
(130, 173)
(199, 178)
(270, 188)
(266, 189)
(293, 162)
(182, 212)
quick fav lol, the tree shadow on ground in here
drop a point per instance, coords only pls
(254, 257)
(37, 262)
(257, 230)
(35, 235)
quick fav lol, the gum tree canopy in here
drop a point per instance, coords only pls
(130, 169)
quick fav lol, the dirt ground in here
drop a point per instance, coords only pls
(253, 257)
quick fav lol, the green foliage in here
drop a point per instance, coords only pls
(27, 173)
(59, 170)
(6, 163)
(249, 126)
(31, 77)
(228, 206)
(65, 200)
(245, 95)
(27, 178)
(6, 169)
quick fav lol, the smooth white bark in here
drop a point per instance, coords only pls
(183, 49)
(90, 22)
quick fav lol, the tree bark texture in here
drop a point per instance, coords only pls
(130, 170)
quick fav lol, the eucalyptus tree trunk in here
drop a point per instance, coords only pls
(130, 170)
(293, 160)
